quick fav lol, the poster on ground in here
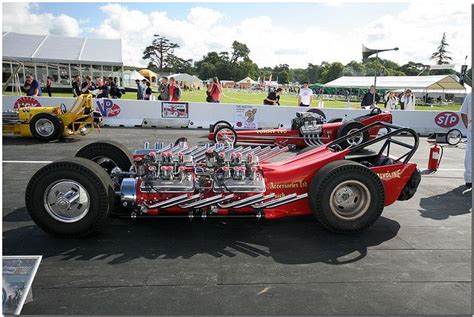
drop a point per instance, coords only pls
(171, 110)
(18, 274)
(246, 117)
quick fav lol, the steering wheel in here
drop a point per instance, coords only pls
(63, 108)
(375, 111)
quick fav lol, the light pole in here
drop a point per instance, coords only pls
(366, 52)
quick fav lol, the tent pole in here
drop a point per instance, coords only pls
(375, 77)
(70, 75)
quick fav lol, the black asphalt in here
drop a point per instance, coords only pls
(415, 259)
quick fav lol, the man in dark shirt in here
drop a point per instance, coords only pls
(32, 86)
(273, 97)
(76, 86)
(368, 100)
(87, 86)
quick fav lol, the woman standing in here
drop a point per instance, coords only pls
(408, 100)
(148, 91)
(391, 101)
(214, 91)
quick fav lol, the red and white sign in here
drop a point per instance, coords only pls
(447, 119)
(26, 102)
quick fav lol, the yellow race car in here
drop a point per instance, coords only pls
(52, 123)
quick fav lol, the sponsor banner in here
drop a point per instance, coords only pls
(246, 117)
(18, 273)
(170, 110)
(129, 113)
(26, 102)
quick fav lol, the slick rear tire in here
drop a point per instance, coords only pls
(108, 154)
(346, 197)
(411, 186)
(52, 203)
(349, 127)
(46, 127)
(227, 131)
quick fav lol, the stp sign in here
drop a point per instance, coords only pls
(26, 102)
(107, 108)
(447, 119)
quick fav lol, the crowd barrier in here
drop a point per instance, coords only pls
(132, 113)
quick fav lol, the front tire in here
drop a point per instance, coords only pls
(225, 135)
(46, 127)
(346, 197)
(350, 127)
(108, 154)
(70, 198)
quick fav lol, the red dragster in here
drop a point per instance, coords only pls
(346, 189)
(307, 129)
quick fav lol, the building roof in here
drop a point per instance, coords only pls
(185, 77)
(61, 49)
(435, 82)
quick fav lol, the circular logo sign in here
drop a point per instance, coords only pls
(107, 108)
(446, 119)
(26, 102)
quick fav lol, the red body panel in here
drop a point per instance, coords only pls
(283, 136)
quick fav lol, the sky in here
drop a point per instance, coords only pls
(276, 33)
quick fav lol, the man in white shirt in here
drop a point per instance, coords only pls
(306, 96)
(466, 119)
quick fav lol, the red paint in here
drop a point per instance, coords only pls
(26, 102)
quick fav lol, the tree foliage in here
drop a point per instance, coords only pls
(441, 55)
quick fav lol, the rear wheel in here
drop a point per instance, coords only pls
(46, 127)
(70, 198)
(346, 196)
(226, 136)
(411, 186)
(108, 154)
(348, 128)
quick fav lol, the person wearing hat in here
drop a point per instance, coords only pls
(408, 99)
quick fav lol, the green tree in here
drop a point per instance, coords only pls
(239, 51)
(160, 52)
(313, 73)
(441, 55)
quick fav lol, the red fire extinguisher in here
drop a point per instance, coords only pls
(436, 153)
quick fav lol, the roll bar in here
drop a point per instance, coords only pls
(393, 130)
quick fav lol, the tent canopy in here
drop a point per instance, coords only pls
(247, 80)
(61, 49)
(186, 78)
(437, 82)
(133, 75)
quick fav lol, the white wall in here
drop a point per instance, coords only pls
(148, 113)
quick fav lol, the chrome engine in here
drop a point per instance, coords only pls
(310, 126)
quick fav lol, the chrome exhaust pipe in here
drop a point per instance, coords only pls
(280, 201)
(172, 201)
(242, 204)
(207, 202)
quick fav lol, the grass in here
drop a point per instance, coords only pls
(256, 98)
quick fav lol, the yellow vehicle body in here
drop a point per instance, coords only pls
(77, 120)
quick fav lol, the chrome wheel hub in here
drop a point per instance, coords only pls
(66, 201)
(225, 136)
(356, 139)
(44, 127)
(350, 200)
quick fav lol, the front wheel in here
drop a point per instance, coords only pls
(46, 127)
(351, 127)
(453, 137)
(70, 198)
(108, 154)
(346, 196)
(225, 135)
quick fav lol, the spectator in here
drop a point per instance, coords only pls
(391, 101)
(368, 99)
(48, 86)
(305, 95)
(148, 91)
(32, 86)
(76, 86)
(144, 81)
(103, 88)
(273, 98)
(466, 114)
(214, 91)
(408, 100)
(164, 89)
(175, 91)
(87, 86)
(139, 90)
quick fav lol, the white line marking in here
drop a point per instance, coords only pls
(28, 162)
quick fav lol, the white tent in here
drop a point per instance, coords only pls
(129, 77)
(247, 80)
(187, 79)
(444, 83)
